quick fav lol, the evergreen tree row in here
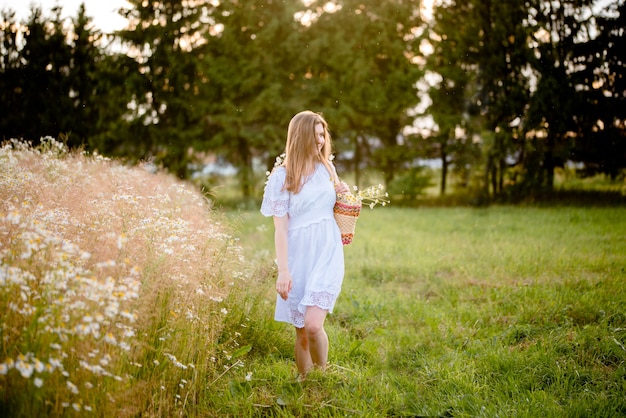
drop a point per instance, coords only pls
(501, 93)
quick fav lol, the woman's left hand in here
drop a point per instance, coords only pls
(341, 187)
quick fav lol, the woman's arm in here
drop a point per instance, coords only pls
(284, 281)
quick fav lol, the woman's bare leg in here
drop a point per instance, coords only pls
(303, 356)
(316, 335)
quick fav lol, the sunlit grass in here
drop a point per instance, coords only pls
(124, 294)
(468, 312)
(112, 281)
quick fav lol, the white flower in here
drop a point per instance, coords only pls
(55, 363)
(14, 217)
(121, 240)
(26, 369)
(128, 315)
(110, 338)
(248, 376)
(72, 387)
(39, 366)
(38, 382)
(371, 196)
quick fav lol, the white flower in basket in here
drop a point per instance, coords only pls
(348, 208)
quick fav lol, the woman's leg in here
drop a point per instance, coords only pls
(303, 356)
(316, 335)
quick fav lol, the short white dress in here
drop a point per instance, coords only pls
(315, 250)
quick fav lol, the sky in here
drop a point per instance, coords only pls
(103, 12)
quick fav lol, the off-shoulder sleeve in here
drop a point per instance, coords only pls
(275, 199)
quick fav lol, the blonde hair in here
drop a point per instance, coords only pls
(301, 151)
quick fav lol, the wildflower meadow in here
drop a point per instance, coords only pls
(124, 292)
(112, 281)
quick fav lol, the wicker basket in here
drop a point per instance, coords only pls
(347, 210)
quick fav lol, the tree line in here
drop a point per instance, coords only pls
(501, 93)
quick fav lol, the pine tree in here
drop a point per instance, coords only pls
(165, 114)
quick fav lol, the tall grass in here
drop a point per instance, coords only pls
(112, 281)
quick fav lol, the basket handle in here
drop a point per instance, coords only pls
(333, 173)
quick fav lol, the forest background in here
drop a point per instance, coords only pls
(500, 96)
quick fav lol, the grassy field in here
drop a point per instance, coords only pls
(124, 294)
(501, 311)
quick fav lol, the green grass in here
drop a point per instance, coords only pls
(133, 298)
(448, 312)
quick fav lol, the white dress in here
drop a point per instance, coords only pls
(315, 250)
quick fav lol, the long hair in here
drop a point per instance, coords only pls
(301, 151)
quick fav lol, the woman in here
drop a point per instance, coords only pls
(300, 195)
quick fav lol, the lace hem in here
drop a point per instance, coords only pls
(322, 300)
